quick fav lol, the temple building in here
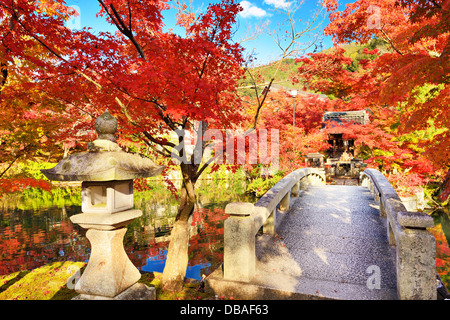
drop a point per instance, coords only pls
(343, 149)
(341, 157)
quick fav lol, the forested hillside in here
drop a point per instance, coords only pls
(289, 67)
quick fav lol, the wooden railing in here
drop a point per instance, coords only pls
(415, 246)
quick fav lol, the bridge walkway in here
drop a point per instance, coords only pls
(331, 243)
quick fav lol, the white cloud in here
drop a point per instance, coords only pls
(279, 4)
(250, 10)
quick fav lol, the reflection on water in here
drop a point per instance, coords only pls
(33, 237)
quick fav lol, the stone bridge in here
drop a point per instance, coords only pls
(307, 240)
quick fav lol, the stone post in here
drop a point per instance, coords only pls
(382, 208)
(269, 225)
(239, 242)
(376, 194)
(295, 189)
(390, 234)
(416, 257)
(303, 183)
(284, 203)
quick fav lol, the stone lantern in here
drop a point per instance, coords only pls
(107, 174)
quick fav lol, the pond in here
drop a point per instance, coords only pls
(38, 231)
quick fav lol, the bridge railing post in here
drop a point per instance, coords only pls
(416, 257)
(295, 190)
(239, 242)
(415, 246)
(269, 226)
(285, 202)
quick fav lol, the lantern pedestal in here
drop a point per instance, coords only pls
(109, 270)
(106, 207)
(110, 274)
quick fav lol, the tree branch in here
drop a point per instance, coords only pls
(289, 50)
(205, 165)
(118, 21)
(4, 74)
(164, 152)
(388, 39)
(10, 165)
(158, 141)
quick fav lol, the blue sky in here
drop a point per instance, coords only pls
(256, 13)
(273, 13)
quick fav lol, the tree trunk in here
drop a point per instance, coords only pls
(177, 254)
(177, 257)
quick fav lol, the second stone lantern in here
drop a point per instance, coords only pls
(107, 174)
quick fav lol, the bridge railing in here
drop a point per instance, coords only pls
(247, 218)
(415, 246)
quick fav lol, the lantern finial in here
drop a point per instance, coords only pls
(106, 126)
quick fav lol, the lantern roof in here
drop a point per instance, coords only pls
(104, 160)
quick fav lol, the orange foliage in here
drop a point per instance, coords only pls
(418, 34)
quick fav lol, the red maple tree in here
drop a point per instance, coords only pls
(418, 35)
(154, 82)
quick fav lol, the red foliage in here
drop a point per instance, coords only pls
(20, 184)
(418, 34)
(295, 142)
(387, 84)
(153, 81)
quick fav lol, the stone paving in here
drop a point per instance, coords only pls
(333, 244)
